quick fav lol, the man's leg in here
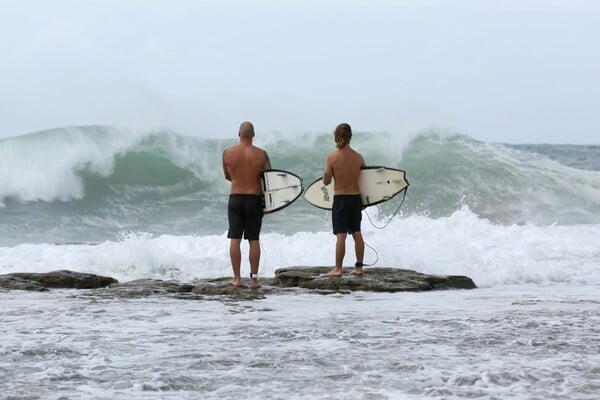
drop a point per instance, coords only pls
(359, 249)
(235, 253)
(254, 262)
(340, 251)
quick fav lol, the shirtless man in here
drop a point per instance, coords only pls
(242, 165)
(344, 166)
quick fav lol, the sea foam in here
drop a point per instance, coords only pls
(461, 244)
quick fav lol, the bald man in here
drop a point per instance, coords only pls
(243, 165)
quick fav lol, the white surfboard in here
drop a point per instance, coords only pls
(377, 184)
(280, 189)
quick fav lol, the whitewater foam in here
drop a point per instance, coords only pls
(460, 244)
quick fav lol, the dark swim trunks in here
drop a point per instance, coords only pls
(347, 213)
(245, 213)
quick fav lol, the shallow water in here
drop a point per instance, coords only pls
(527, 341)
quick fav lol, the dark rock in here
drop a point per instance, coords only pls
(286, 279)
(16, 283)
(200, 289)
(55, 279)
(373, 280)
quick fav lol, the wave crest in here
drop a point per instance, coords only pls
(103, 165)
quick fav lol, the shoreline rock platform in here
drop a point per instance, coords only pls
(306, 279)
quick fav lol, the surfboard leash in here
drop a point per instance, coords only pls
(393, 215)
(382, 227)
(376, 255)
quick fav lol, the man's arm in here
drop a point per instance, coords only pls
(225, 171)
(328, 172)
(267, 165)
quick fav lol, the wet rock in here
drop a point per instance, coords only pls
(17, 283)
(290, 279)
(56, 279)
(373, 280)
(149, 287)
(199, 289)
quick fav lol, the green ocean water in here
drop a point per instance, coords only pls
(90, 184)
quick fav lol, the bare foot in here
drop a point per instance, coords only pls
(236, 282)
(358, 271)
(336, 272)
(254, 283)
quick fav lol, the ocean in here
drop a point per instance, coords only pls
(523, 221)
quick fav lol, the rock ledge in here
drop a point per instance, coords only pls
(373, 280)
(293, 278)
(62, 279)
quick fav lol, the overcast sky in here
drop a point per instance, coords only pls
(505, 71)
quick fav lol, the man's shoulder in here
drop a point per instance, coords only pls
(258, 151)
(356, 153)
(230, 149)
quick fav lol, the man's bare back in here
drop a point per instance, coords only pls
(344, 166)
(242, 165)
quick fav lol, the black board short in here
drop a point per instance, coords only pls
(346, 213)
(245, 213)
